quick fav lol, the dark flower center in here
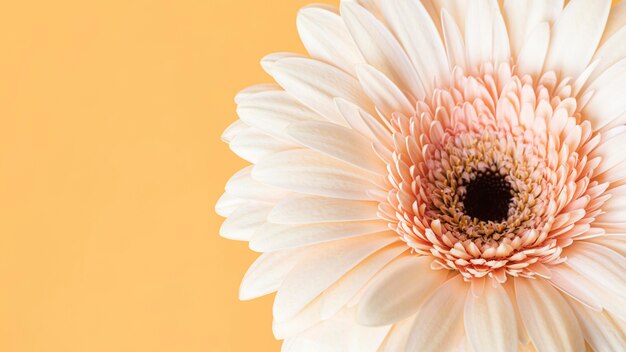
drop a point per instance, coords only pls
(488, 197)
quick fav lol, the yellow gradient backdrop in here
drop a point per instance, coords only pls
(110, 163)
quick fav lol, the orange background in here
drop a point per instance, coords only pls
(110, 164)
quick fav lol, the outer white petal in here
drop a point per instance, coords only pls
(227, 204)
(234, 129)
(367, 339)
(242, 185)
(364, 123)
(455, 44)
(307, 210)
(338, 142)
(316, 84)
(610, 53)
(251, 91)
(485, 33)
(616, 21)
(601, 331)
(340, 293)
(549, 320)
(573, 284)
(600, 265)
(434, 331)
(271, 237)
(268, 271)
(326, 38)
(380, 49)
(490, 320)
(269, 60)
(523, 17)
(457, 10)
(576, 35)
(387, 97)
(272, 111)
(253, 145)
(398, 291)
(309, 172)
(533, 53)
(397, 338)
(615, 243)
(244, 221)
(417, 33)
(313, 275)
(606, 108)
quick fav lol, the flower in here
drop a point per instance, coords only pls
(439, 175)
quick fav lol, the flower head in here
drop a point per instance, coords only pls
(439, 175)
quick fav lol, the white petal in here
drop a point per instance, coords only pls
(485, 33)
(316, 84)
(533, 52)
(570, 282)
(244, 221)
(254, 90)
(231, 131)
(616, 21)
(271, 237)
(242, 185)
(387, 97)
(600, 265)
(615, 243)
(307, 210)
(549, 320)
(607, 108)
(398, 291)
(417, 33)
(253, 145)
(272, 111)
(398, 336)
(601, 331)
(269, 60)
(309, 172)
(455, 44)
(313, 275)
(268, 271)
(457, 10)
(367, 339)
(306, 319)
(439, 323)
(490, 320)
(364, 123)
(576, 35)
(340, 293)
(523, 17)
(610, 53)
(227, 204)
(380, 49)
(521, 330)
(338, 142)
(326, 38)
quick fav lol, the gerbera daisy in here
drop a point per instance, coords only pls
(439, 175)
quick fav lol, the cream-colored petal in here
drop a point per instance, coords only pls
(272, 111)
(380, 49)
(387, 97)
(576, 35)
(313, 275)
(600, 265)
(327, 39)
(533, 53)
(253, 145)
(398, 291)
(606, 108)
(453, 38)
(601, 331)
(570, 282)
(310, 172)
(549, 320)
(490, 320)
(308, 210)
(523, 17)
(231, 131)
(616, 21)
(316, 84)
(251, 91)
(609, 53)
(434, 330)
(271, 237)
(398, 336)
(340, 293)
(244, 221)
(485, 33)
(410, 22)
(616, 243)
(227, 204)
(242, 185)
(268, 271)
(339, 142)
(366, 338)
(268, 61)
